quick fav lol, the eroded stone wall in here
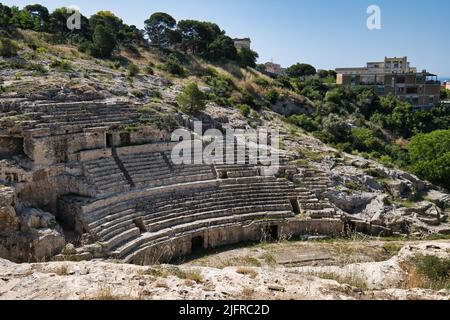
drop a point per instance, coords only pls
(228, 235)
(10, 146)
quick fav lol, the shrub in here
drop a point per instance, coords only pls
(133, 70)
(364, 140)
(430, 156)
(174, 67)
(249, 99)
(61, 65)
(345, 147)
(8, 47)
(191, 100)
(304, 122)
(272, 96)
(323, 136)
(337, 128)
(386, 161)
(261, 82)
(222, 86)
(428, 272)
(434, 268)
(37, 68)
(244, 109)
(104, 42)
(149, 70)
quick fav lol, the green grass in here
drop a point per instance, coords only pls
(428, 272)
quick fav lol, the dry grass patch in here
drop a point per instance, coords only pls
(247, 293)
(62, 270)
(105, 293)
(352, 280)
(248, 272)
(161, 284)
(428, 272)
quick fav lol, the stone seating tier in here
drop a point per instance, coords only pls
(235, 200)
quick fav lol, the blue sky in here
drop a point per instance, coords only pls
(325, 33)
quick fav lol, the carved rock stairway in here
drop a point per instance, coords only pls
(312, 206)
(315, 180)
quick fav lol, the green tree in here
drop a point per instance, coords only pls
(445, 94)
(132, 36)
(196, 36)
(222, 48)
(247, 58)
(104, 42)
(322, 74)
(40, 16)
(430, 156)
(367, 102)
(159, 28)
(337, 127)
(300, 70)
(5, 16)
(108, 20)
(191, 100)
(304, 122)
(58, 25)
(21, 18)
(365, 139)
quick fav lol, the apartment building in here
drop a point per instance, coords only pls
(395, 76)
(446, 85)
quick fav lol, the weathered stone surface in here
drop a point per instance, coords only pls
(350, 203)
(32, 246)
(27, 236)
(92, 280)
(37, 219)
(8, 220)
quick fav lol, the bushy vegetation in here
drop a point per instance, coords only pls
(103, 33)
(428, 272)
(430, 156)
(356, 120)
(8, 47)
(133, 70)
(191, 100)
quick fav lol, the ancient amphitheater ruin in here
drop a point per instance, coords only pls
(117, 194)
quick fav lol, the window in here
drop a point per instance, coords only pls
(401, 79)
(367, 80)
(412, 90)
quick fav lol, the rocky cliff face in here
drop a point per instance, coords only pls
(27, 234)
(390, 279)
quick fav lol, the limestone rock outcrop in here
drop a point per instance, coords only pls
(28, 235)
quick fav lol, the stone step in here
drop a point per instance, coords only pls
(103, 212)
(321, 214)
(127, 250)
(225, 209)
(124, 236)
(109, 219)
